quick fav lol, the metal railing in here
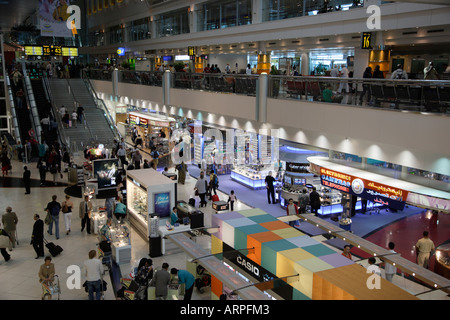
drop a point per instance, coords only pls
(100, 104)
(406, 95)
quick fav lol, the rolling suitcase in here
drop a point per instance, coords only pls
(215, 198)
(53, 248)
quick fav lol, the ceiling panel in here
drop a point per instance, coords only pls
(14, 12)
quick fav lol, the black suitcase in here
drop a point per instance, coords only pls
(53, 248)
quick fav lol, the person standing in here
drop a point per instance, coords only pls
(54, 208)
(303, 201)
(399, 73)
(93, 270)
(201, 187)
(367, 75)
(424, 247)
(291, 210)
(121, 154)
(67, 206)
(10, 220)
(270, 187)
(136, 159)
(42, 173)
(27, 179)
(85, 214)
(37, 237)
(344, 83)
(231, 199)
(314, 200)
(188, 279)
(74, 118)
(389, 269)
(182, 169)
(160, 281)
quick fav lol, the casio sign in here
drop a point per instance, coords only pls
(248, 265)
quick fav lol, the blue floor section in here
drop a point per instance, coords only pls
(362, 224)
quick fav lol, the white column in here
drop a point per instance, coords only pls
(257, 11)
(261, 101)
(166, 87)
(305, 64)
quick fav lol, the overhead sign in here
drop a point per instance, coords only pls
(191, 51)
(33, 51)
(366, 38)
(121, 51)
(52, 50)
(366, 189)
(297, 167)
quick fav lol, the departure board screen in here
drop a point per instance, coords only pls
(33, 51)
(52, 50)
(69, 52)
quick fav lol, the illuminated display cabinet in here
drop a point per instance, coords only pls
(149, 193)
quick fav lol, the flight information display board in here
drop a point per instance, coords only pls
(51, 51)
(33, 51)
(69, 52)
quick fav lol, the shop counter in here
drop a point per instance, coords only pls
(248, 181)
(164, 232)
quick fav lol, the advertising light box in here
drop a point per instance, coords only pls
(105, 170)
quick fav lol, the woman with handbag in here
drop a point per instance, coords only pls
(5, 240)
(67, 206)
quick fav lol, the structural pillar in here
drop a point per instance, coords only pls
(167, 78)
(304, 68)
(261, 97)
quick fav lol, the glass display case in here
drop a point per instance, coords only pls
(98, 220)
(251, 176)
(121, 242)
(442, 265)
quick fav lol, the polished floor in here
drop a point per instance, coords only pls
(19, 279)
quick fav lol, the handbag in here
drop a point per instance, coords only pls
(48, 218)
(4, 241)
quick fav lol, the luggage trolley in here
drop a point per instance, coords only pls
(51, 288)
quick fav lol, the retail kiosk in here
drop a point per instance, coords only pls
(149, 193)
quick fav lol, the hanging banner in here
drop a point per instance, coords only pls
(53, 18)
(376, 192)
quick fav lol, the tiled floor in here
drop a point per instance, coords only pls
(19, 279)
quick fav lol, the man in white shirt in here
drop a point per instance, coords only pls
(93, 269)
(344, 84)
(389, 269)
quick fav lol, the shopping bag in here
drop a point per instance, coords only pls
(48, 219)
(151, 293)
(4, 241)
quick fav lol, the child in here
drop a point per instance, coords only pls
(231, 199)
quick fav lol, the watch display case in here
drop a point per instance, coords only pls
(251, 176)
(121, 243)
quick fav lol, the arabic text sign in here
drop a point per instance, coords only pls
(370, 190)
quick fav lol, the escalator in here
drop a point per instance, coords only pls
(23, 118)
(44, 108)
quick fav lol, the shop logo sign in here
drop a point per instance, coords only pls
(248, 265)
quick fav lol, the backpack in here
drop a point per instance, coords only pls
(216, 180)
(155, 154)
(400, 75)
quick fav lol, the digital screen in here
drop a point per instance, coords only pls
(287, 180)
(69, 52)
(299, 181)
(52, 50)
(167, 58)
(33, 51)
(106, 171)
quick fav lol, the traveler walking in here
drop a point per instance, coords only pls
(37, 237)
(85, 214)
(93, 270)
(54, 208)
(9, 221)
(66, 208)
(424, 247)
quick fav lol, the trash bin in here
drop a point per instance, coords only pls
(346, 224)
(154, 244)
